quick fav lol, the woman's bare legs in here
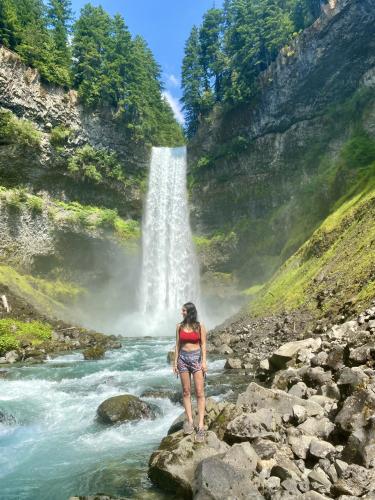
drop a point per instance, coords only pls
(199, 392)
(186, 392)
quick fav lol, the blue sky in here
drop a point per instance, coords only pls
(165, 24)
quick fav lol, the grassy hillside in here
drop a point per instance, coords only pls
(335, 268)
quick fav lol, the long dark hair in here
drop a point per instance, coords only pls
(191, 317)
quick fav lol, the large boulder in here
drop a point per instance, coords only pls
(231, 475)
(355, 481)
(123, 408)
(357, 409)
(290, 350)
(256, 397)
(173, 465)
(264, 423)
(94, 352)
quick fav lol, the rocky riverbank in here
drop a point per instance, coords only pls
(303, 429)
(26, 336)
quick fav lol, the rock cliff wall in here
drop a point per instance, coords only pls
(271, 170)
(44, 168)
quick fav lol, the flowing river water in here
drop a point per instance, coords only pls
(54, 447)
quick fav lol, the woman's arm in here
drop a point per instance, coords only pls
(177, 348)
(203, 347)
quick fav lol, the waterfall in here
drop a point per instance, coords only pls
(169, 274)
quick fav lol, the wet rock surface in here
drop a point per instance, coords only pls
(123, 408)
(304, 429)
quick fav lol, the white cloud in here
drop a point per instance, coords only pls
(175, 105)
(173, 80)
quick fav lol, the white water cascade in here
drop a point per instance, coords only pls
(170, 275)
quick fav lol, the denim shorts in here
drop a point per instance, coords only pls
(189, 361)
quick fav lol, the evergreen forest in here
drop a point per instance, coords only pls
(96, 55)
(232, 46)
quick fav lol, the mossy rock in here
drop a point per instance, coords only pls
(95, 352)
(123, 408)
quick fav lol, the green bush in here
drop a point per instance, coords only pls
(13, 331)
(60, 136)
(35, 204)
(14, 130)
(95, 164)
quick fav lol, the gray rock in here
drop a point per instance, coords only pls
(290, 485)
(299, 414)
(256, 397)
(316, 377)
(360, 447)
(335, 359)
(355, 480)
(299, 390)
(11, 357)
(233, 364)
(271, 484)
(247, 426)
(352, 377)
(215, 479)
(319, 359)
(319, 480)
(340, 467)
(284, 467)
(318, 427)
(172, 466)
(356, 410)
(329, 405)
(225, 349)
(313, 495)
(321, 449)
(264, 448)
(362, 354)
(122, 408)
(299, 442)
(330, 390)
(340, 332)
(289, 350)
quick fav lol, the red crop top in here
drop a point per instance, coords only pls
(192, 337)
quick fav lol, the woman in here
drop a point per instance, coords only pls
(190, 357)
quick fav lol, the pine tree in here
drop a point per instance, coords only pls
(36, 44)
(117, 62)
(59, 20)
(192, 82)
(211, 57)
(90, 43)
(9, 25)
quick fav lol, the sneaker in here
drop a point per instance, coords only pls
(200, 435)
(188, 427)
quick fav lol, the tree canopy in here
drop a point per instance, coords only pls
(224, 56)
(98, 57)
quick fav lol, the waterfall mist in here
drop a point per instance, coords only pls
(142, 294)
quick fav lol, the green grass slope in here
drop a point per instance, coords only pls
(336, 265)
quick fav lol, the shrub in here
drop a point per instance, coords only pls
(95, 164)
(60, 136)
(13, 331)
(14, 130)
(35, 204)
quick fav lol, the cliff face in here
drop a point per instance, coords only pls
(47, 107)
(271, 170)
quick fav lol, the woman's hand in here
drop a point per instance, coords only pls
(175, 370)
(204, 367)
